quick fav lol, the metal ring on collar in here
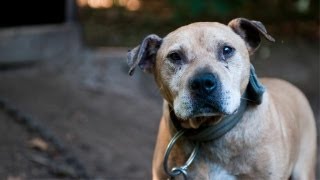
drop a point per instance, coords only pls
(175, 171)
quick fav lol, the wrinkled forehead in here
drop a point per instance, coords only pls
(201, 35)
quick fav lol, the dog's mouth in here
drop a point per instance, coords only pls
(201, 111)
(204, 117)
(201, 120)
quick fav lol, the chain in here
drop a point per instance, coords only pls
(176, 171)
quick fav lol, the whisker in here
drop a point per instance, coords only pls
(247, 99)
(171, 110)
(157, 89)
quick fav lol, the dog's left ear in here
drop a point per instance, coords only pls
(250, 31)
(144, 55)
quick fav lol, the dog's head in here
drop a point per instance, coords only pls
(203, 68)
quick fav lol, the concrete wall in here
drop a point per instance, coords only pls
(45, 42)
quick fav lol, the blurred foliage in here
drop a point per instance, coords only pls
(271, 10)
(118, 27)
(207, 8)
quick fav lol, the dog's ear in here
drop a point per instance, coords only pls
(250, 31)
(144, 55)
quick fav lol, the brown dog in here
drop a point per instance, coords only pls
(204, 75)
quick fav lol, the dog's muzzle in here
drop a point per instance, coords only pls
(205, 89)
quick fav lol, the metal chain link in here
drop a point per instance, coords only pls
(176, 171)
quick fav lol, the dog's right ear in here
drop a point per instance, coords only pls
(250, 32)
(144, 55)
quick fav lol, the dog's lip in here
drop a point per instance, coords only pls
(206, 115)
(198, 119)
(196, 122)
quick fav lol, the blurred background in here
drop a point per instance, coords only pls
(69, 109)
(118, 18)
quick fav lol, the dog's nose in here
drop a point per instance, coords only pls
(203, 83)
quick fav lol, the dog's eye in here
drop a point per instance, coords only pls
(227, 52)
(175, 57)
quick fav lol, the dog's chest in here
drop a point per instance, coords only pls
(213, 171)
(230, 158)
(223, 162)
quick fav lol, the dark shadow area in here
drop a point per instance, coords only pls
(34, 12)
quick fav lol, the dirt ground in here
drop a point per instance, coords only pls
(107, 119)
